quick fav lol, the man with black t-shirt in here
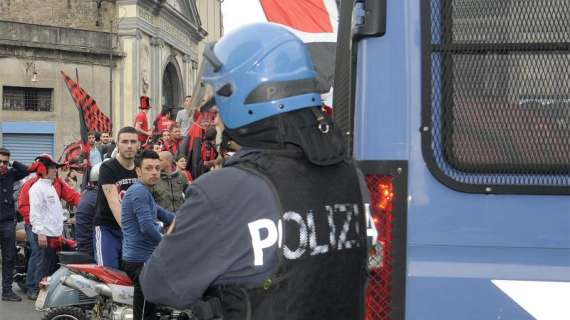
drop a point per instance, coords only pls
(115, 177)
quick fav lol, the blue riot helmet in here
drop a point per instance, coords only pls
(265, 86)
(255, 72)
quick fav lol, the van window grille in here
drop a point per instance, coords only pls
(497, 99)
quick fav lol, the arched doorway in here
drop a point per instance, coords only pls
(171, 84)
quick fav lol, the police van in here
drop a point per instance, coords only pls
(459, 113)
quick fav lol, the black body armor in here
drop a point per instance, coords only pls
(321, 274)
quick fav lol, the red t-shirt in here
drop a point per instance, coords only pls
(143, 120)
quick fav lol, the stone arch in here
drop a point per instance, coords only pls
(172, 84)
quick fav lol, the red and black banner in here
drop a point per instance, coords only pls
(91, 118)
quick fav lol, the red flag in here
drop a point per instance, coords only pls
(90, 117)
(303, 15)
(71, 152)
(72, 156)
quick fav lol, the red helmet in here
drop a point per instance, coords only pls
(47, 160)
(41, 163)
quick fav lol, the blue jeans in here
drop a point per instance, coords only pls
(8, 247)
(47, 263)
(33, 260)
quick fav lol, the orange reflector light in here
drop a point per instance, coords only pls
(386, 194)
(379, 298)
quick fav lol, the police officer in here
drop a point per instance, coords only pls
(279, 232)
(86, 212)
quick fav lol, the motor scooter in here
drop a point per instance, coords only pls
(82, 291)
(54, 295)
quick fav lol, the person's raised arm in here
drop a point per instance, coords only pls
(20, 170)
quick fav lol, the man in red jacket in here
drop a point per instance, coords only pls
(65, 192)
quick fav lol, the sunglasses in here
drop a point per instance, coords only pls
(5, 162)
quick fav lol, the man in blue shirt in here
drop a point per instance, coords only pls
(95, 154)
(141, 232)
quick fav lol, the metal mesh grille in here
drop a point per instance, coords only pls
(500, 91)
(502, 22)
(379, 295)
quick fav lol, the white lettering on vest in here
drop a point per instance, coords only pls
(315, 248)
(265, 233)
(259, 244)
(332, 231)
(280, 231)
(343, 241)
(287, 252)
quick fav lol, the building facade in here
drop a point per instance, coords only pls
(118, 50)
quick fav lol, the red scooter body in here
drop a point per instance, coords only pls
(105, 274)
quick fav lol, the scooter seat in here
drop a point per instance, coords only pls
(74, 257)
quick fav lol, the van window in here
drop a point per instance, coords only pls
(497, 103)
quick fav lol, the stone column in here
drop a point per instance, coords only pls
(156, 73)
(136, 93)
(187, 74)
(127, 83)
(195, 67)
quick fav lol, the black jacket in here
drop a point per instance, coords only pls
(321, 227)
(16, 172)
(213, 245)
(210, 243)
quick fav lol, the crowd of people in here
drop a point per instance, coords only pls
(36, 194)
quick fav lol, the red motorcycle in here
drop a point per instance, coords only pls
(98, 293)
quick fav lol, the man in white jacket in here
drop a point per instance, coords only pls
(46, 214)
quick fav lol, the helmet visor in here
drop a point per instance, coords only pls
(203, 93)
